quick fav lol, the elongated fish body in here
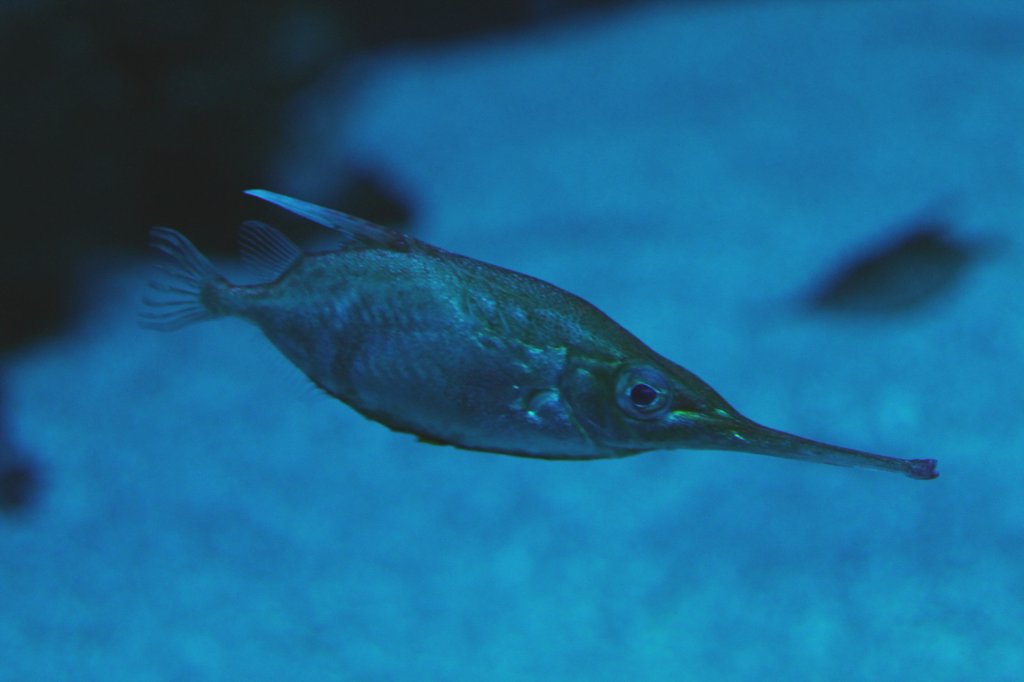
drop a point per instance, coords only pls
(463, 353)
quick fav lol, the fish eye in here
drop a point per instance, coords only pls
(642, 395)
(643, 392)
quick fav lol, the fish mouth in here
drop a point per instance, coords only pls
(737, 433)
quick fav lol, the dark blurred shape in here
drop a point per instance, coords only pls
(19, 477)
(35, 300)
(386, 22)
(919, 266)
(122, 114)
(370, 196)
(132, 112)
(19, 485)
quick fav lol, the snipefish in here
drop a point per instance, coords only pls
(463, 353)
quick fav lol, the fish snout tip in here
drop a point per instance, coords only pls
(923, 469)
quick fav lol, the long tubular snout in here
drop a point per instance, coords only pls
(751, 437)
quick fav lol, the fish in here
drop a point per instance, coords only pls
(924, 262)
(459, 352)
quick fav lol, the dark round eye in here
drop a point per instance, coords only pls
(642, 395)
(643, 392)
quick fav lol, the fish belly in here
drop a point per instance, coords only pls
(423, 366)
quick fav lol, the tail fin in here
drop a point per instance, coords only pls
(180, 300)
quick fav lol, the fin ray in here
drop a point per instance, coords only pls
(266, 250)
(165, 288)
(352, 228)
(178, 300)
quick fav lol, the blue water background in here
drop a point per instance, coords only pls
(209, 516)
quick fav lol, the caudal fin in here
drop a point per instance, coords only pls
(177, 298)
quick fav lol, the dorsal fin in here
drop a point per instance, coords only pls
(266, 250)
(352, 228)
